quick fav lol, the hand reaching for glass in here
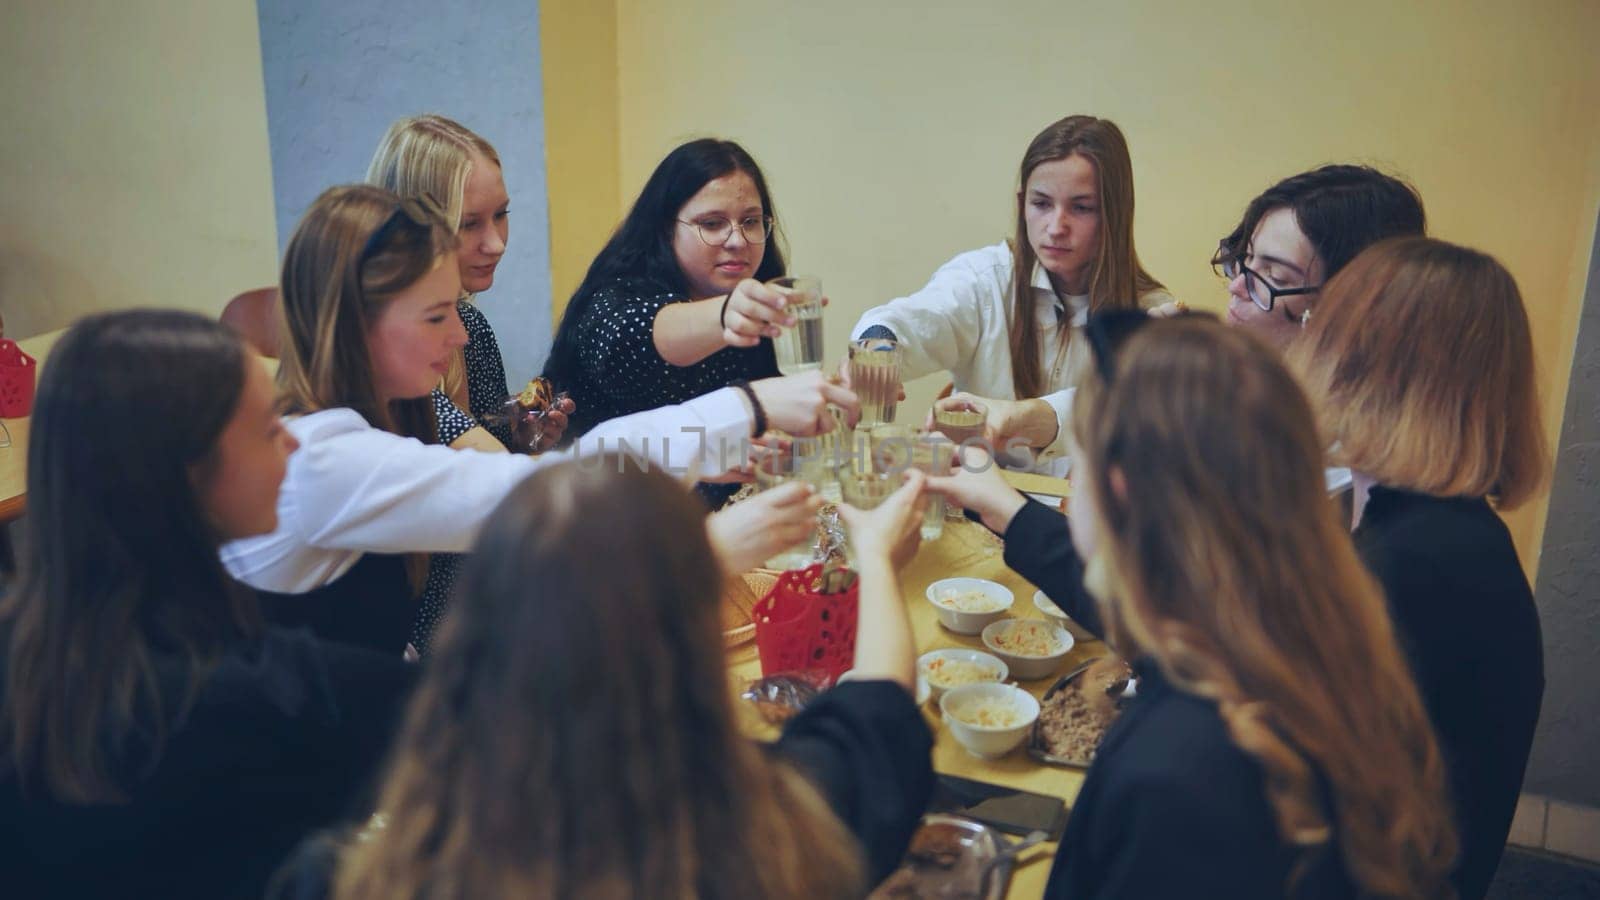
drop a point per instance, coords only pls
(975, 483)
(799, 404)
(1030, 423)
(891, 531)
(748, 533)
(753, 311)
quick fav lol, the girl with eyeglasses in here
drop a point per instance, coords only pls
(370, 284)
(1299, 233)
(529, 768)
(157, 739)
(1277, 744)
(1005, 321)
(1419, 362)
(675, 304)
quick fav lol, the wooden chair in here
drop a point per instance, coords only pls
(253, 315)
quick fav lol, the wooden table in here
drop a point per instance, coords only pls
(969, 549)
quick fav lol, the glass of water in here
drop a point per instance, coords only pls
(799, 347)
(875, 377)
(780, 468)
(931, 454)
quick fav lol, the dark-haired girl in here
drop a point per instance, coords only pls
(674, 305)
(156, 739)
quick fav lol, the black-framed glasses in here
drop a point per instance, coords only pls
(714, 231)
(420, 211)
(1260, 292)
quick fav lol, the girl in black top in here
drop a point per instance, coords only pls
(1440, 433)
(674, 305)
(1277, 745)
(156, 739)
(586, 745)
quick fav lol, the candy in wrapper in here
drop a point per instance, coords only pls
(779, 698)
(529, 410)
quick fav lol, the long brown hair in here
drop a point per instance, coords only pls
(333, 289)
(1419, 361)
(431, 154)
(121, 568)
(1222, 559)
(574, 736)
(1117, 279)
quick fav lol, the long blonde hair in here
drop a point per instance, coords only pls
(430, 154)
(1222, 559)
(1419, 362)
(1117, 280)
(580, 741)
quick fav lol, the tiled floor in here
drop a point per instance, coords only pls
(1534, 875)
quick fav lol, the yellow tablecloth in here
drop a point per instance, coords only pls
(967, 549)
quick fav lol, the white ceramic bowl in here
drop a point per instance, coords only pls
(1044, 604)
(988, 741)
(968, 622)
(978, 658)
(1028, 666)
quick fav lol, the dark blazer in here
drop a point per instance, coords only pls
(1464, 612)
(283, 738)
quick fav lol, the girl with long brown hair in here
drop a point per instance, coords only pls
(156, 738)
(1006, 320)
(1419, 362)
(586, 746)
(1277, 744)
(370, 284)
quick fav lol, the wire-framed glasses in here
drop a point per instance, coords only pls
(715, 231)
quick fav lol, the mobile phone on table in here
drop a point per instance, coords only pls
(1011, 810)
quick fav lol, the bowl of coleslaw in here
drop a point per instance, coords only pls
(966, 605)
(1030, 648)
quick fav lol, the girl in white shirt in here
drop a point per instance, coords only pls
(1005, 320)
(369, 290)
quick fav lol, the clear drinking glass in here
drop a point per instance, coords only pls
(799, 347)
(780, 468)
(930, 453)
(875, 377)
(863, 486)
(962, 424)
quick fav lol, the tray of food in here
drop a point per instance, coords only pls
(1077, 710)
(946, 861)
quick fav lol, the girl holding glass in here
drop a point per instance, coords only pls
(1005, 320)
(675, 304)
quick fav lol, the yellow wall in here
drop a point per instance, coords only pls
(134, 167)
(891, 132)
(578, 45)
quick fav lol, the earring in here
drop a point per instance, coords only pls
(1305, 317)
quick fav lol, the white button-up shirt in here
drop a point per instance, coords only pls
(960, 322)
(352, 488)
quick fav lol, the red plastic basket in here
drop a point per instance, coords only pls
(16, 380)
(798, 629)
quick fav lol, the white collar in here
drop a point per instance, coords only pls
(1051, 305)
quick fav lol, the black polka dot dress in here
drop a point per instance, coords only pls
(619, 371)
(486, 391)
